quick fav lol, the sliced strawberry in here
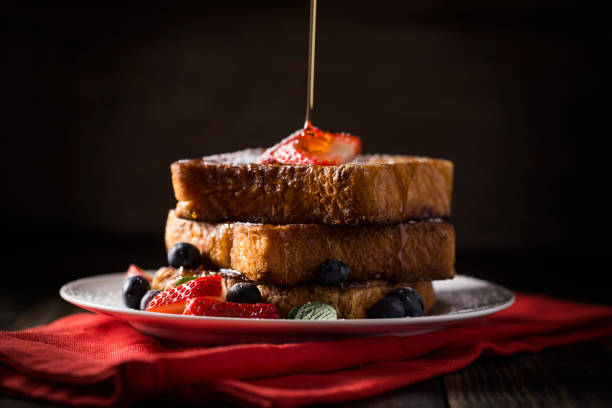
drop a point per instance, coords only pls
(134, 270)
(173, 300)
(205, 306)
(313, 146)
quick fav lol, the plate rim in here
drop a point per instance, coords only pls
(449, 318)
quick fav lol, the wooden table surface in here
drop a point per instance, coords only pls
(574, 376)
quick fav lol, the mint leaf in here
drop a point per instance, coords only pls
(293, 312)
(316, 311)
(184, 279)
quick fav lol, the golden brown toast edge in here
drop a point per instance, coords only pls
(373, 189)
(289, 254)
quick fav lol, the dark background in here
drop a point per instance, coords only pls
(98, 101)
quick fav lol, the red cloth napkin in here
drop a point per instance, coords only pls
(88, 359)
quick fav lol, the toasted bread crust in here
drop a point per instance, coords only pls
(350, 301)
(372, 189)
(289, 254)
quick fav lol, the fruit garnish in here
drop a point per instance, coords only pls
(173, 300)
(184, 254)
(147, 298)
(313, 146)
(134, 270)
(413, 302)
(206, 306)
(332, 272)
(315, 311)
(185, 279)
(134, 288)
(386, 308)
(243, 292)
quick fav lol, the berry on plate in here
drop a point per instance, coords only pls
(385, 308)
(134, 270)
(134, 288)
(313, 146)
(205, 306)
(411, 299)
(332, 272)
(147, 298)
(184, 254)
(243, 292)
(173, 300)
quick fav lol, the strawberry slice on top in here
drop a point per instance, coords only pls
(313, 146)
(173, 300)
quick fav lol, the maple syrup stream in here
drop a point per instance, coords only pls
(315, 140)
(311, 64)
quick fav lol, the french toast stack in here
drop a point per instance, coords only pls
(384, 216)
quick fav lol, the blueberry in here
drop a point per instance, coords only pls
(184, 254)
(411, 299)
(134, 289)
(147, 298)
(332, 272)
(387, 307)
(243, 292)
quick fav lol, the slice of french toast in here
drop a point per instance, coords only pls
(372, 189)
(290, 254)
(351, 300)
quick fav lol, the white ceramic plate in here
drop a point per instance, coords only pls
(457, 300)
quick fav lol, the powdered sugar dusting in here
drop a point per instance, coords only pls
(97, 290)
(465, 294)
